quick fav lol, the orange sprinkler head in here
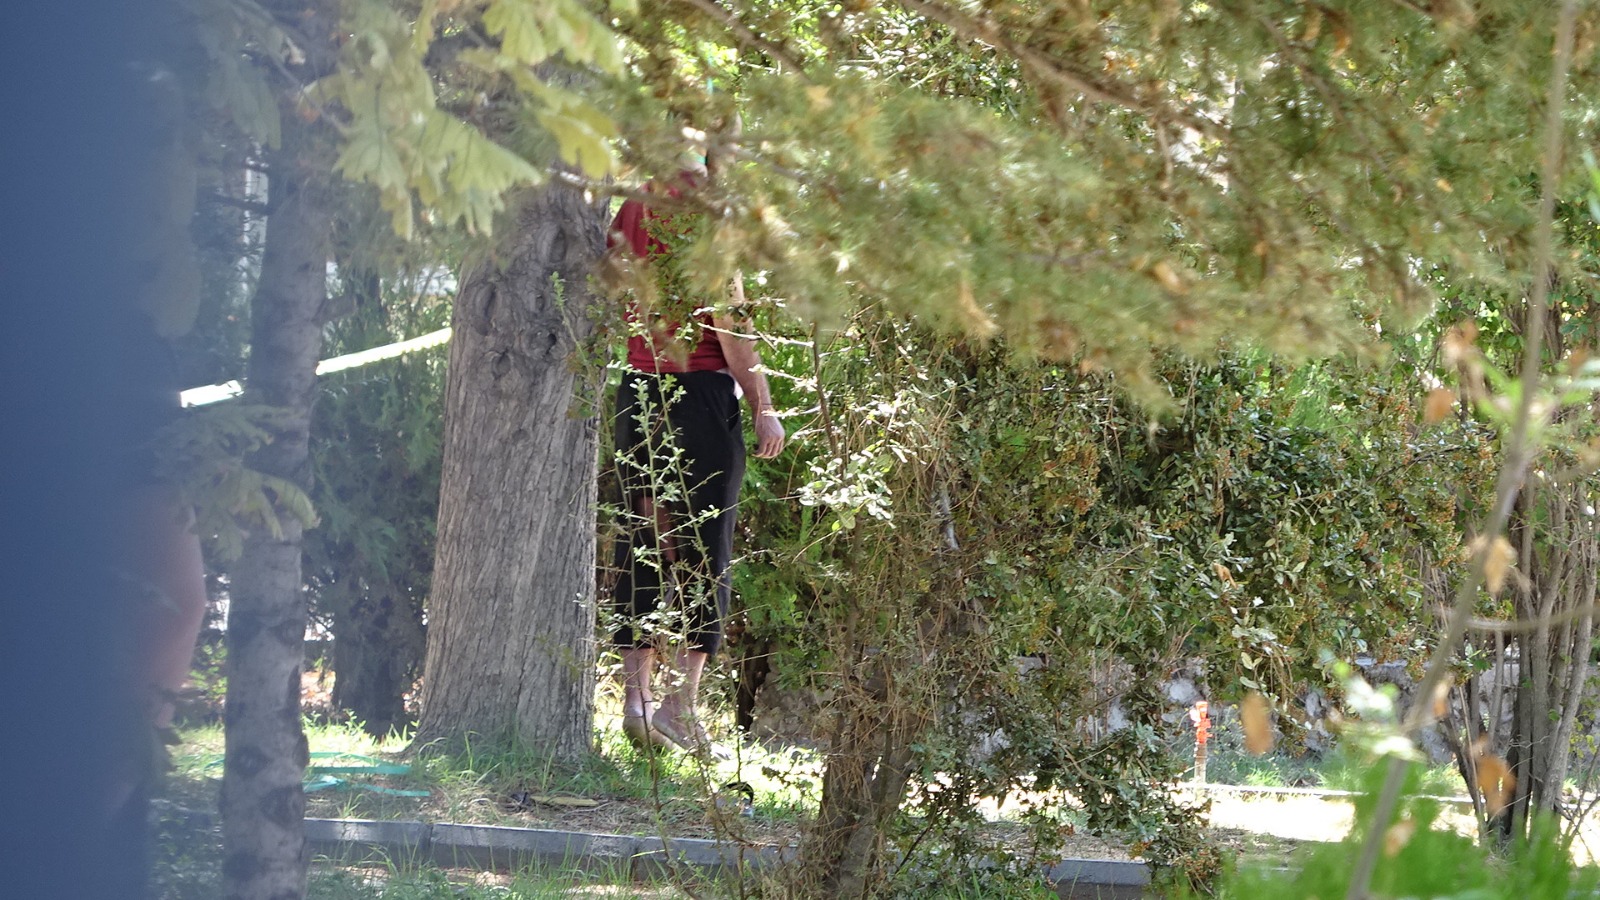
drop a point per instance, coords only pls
(1200, 715)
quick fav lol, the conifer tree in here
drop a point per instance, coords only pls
(1095, 181)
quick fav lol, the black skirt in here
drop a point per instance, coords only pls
(680, 458)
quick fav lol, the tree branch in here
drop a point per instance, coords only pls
(988, 32)
(746, 36)
(1523, 626)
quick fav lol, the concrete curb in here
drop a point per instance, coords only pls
(1118, 872)
(376, 840)
(656, 857)
(501, 848)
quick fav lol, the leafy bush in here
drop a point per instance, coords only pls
(1420, 859)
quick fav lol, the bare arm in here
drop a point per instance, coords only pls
(743, 365)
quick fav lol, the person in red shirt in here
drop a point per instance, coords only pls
(681, 458)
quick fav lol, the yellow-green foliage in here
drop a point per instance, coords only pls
(1106, 179)
(204, 455)
(398, 137)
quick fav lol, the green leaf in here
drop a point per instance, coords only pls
(516, 23)
(370, 155)
(422, 35)
(581, 145)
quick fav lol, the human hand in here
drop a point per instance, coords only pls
(769, 434)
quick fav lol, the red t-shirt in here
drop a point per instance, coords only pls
(661, 350)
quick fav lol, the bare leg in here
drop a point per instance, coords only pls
(678, 717)
(161, 553)
(638, 663)
(684, 692)
(637, 702)
(636, 696)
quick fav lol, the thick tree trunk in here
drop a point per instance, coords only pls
(263, 805)
(511, 620)
(377, 652)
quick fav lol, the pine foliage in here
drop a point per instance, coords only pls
(1104, 178)
(403, 137)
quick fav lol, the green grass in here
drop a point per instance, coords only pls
(187, 866)
(1342, 771)
(618, 771)
(197, 878)
(1339, 770)
(188, 857)
(1270, 770)
(468, 783)
(670, 794)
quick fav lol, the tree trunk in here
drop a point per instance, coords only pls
(754, 666)
(1559, 565)
(864, 784)
(511, 620)
(377, 651)
(263, 805)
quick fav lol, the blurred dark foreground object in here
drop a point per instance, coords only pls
(69, 163)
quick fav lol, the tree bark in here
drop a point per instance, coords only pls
(263, 805)
(377, 650)
(511, 621)
(1560, 565)
(863, 785)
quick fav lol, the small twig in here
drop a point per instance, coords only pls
(1586, 804)
(1412, 7)
(1523, 626)
(1167, 165)
(1413, 460)
(824, 412)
